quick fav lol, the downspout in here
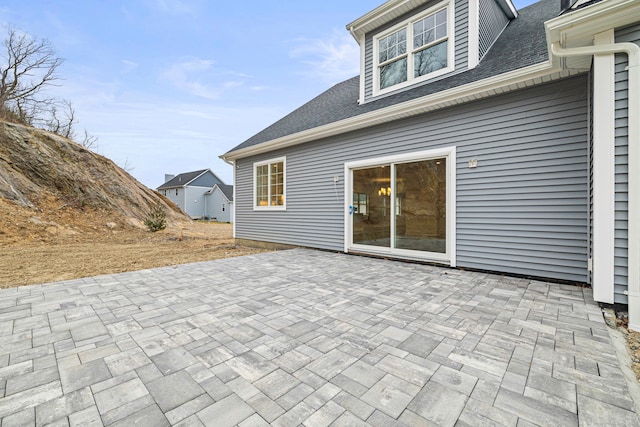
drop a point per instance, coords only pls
(633, 52)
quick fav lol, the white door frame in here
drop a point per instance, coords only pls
(449, 153)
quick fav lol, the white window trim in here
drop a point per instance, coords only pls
(473, 44)
(284, 184)
(450, 7)
(449, 257)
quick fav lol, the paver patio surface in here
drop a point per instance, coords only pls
(303, 337)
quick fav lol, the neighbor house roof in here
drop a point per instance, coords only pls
(182, 179)
(522, 43)
(227, 190)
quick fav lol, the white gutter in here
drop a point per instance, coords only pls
(633, 52)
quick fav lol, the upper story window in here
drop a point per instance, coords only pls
(269, 184)
(414, 50)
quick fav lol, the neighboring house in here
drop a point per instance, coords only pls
(192, 192)
(219, 203)
(476, 136)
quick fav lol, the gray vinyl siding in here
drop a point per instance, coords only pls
(629, 34)
(462, 36)
(461, 42)
(491, 23)
(523, 210)
(206, 180)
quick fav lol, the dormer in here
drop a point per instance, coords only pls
(405, 43)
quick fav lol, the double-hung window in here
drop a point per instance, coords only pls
(415, 50)
(269, 184)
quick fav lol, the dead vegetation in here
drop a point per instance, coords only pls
(55, 252)
(66, 212)
(36, 165)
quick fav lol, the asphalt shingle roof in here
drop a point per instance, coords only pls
(227, 190)
(522, 43)
(182, 179)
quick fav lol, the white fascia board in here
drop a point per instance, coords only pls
(381, 15)
(508, 8)
(512, 80)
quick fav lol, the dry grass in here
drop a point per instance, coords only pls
(33, 261)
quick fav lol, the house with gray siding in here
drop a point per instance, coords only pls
(476, 136)
(192, 191)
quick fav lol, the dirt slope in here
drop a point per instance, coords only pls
(52, 187)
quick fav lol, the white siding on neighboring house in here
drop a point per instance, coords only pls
(523, 210)
(188, 190)
(195, 201)
(218, 207)
(176, 195)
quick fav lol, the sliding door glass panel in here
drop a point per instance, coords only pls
(371, 206)
(421, 206)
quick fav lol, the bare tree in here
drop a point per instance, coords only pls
(61, 119)
(89, 141)
(27, 66)
(127, 166)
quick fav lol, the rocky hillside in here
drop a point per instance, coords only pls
(52, 186)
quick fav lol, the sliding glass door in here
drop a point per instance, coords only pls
(402, 207)
(371, 206)
(421, 206)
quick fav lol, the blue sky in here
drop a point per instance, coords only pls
(169, 85)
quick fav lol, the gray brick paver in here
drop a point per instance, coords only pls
(174, 390)
(226, 413)
(64, 406)
(29, 398)
(118, 395)
(88, 417)
(307, 338)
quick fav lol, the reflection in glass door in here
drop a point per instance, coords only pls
(421, 206)
(371, 206)
(401, 207)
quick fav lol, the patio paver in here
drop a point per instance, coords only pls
(304, 337)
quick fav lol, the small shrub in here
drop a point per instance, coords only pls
(156, 220)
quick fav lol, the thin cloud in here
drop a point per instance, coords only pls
(194, 75)
(182, 7)
(331, 59)
(186, 76)
(128, 66)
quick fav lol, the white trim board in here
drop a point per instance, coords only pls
(449, 258)
(603, 171)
